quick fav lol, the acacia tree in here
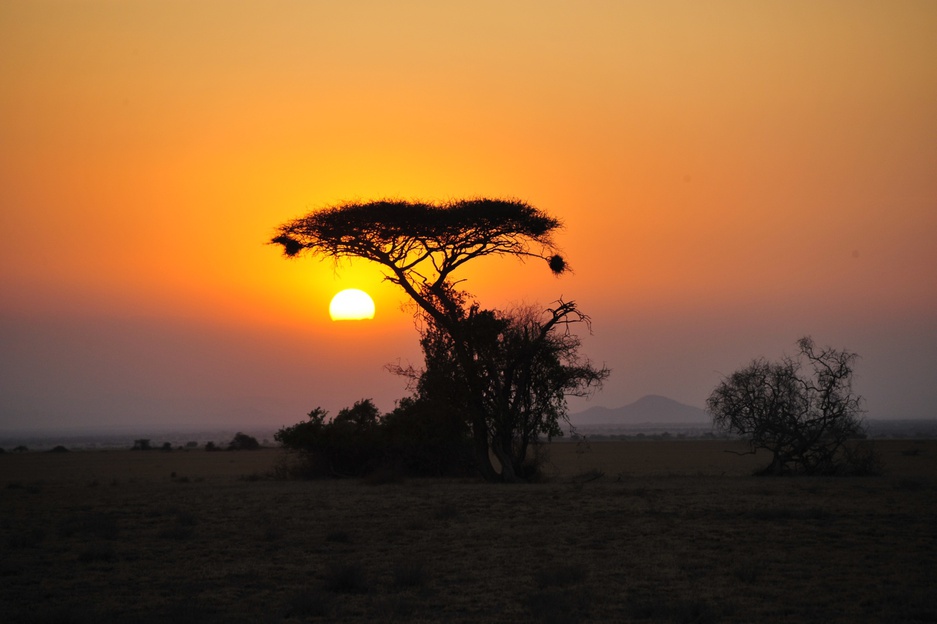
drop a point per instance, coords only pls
(420, 246)
(528, 363)
(801, 409)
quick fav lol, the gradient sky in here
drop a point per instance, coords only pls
(732, 176)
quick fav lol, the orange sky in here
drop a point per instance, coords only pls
(732, 175)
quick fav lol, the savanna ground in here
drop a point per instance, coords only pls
(673, 531)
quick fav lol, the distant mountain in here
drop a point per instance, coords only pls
(649, 409)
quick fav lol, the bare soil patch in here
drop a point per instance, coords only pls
(653, 531)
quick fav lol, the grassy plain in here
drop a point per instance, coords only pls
(672, 531)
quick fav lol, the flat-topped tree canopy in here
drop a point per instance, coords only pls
(420, 245)
(409, 237)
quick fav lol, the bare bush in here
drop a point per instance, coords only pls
(802, 410)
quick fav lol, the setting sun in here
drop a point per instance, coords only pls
(351, 305)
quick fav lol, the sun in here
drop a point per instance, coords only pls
(351, 304)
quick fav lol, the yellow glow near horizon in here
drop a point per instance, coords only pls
(351, 304)
(788, 146)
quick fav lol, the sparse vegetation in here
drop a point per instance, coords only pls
(561, 574)
(97, 525)
(98, 552)
(661, 607)
(346, 577)
(27, 538)
(243, 442)
(307, 603)
(562, 595)
(338, 535)
(410, 573)
(802, 410)
(360, 442)
(685, 535)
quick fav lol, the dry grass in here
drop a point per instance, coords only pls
(670, 532)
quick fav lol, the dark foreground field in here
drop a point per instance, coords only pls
(673, 532)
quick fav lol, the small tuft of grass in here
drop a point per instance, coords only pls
(747, 571)
(558, 606)
(789, 513)
(909, 485)
(385, 475)
(32, 488)
(346, 577)
(664, 607)
(446, 512)
(99, 525)
(30, 538)
(96, 552)
(186, 518)
(339, 536)
(410, 574)
(562, 575)
(60, 614)
(257, 476)
(176, 533)
(308, 603)
(182, 527)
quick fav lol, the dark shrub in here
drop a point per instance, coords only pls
(346, 578)
(561, 575)
(243, 442)
(309, 603)
(415, 439)
(98, 525)
(98, 551)
(410, 573)
(348, 445)
(425, 438)
(338, 535)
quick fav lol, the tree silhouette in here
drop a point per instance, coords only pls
(420, 246)
(528, 363)
(802, 410)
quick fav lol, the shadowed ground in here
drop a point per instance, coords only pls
(672, 531)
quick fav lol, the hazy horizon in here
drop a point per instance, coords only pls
(731, 176)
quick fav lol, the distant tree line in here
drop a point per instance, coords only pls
(240, 442)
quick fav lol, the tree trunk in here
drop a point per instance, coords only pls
(482, 456)
(508, 474)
